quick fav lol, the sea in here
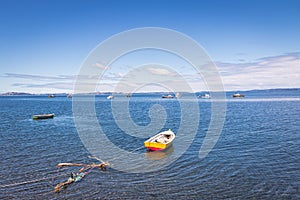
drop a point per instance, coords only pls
(255, 156)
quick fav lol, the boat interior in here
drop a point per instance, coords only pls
(164, 138)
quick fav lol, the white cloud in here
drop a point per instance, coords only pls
(281, 71)
(269, 72)
(100, 65)
(159, 71)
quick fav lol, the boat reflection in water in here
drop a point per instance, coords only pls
(158, 155)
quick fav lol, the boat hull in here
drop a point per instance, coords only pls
(167, 97)
(153, 146)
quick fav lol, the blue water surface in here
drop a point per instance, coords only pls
(256, 157)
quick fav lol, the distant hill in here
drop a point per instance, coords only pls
(14, 93)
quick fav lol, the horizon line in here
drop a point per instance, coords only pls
(145, 92)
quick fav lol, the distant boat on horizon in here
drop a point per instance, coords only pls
(167, 97)
(51, 96)
(178, 95)
(206, 96)
(110, 97)
(238, 95)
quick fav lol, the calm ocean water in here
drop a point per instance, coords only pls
(256, 157)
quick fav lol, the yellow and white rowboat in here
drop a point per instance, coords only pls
(160, 141)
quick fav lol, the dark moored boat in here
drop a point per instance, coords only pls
(43, 116)
(167, 97)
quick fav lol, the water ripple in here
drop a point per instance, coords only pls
(256, 157)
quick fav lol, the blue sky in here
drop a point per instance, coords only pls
(255, 44)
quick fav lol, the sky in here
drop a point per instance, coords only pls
(255, 44)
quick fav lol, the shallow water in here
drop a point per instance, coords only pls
(257, 155)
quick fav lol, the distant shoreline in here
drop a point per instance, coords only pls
(109, 93)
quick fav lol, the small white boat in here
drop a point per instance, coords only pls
(178, 95)
(110, 97)
(238, 95)
(160, 141)
(206, 96)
